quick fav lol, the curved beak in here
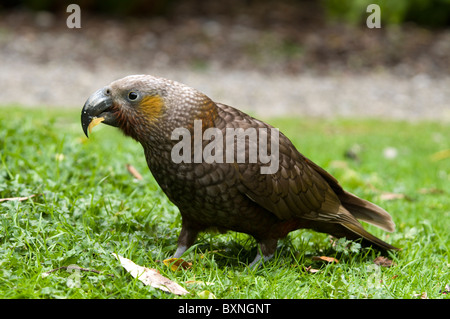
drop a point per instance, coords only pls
(98, 105)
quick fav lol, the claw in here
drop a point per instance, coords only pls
(259, 259)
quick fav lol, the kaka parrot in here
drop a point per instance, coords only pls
(221, 191)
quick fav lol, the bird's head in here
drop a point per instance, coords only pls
(146, 107)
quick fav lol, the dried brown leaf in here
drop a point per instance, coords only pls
(133, 171)
(311, 270)
(383, 262)
(423, 295)
(431, 191)
(150, 277)
(177, 263)
(392, 196)
(326, 259)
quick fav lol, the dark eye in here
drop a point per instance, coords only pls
(132, 95)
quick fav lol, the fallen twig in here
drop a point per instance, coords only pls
(45, 274)
(18, 198)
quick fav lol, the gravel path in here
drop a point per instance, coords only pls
(46, 66)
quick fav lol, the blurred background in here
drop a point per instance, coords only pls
(284, 57)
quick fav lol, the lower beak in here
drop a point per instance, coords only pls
(98, 105)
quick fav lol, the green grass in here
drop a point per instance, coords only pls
(88, 206)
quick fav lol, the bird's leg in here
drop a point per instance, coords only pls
(185, 240)
(267, 248)
(180, 251)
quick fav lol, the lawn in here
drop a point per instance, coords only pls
(87, 206)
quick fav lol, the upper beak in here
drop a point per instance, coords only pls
(97, 105)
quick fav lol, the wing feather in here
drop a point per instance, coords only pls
(295, 190)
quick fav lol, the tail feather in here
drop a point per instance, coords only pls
(366, 211)
(354, 208)
(361, 232)
(359, 208)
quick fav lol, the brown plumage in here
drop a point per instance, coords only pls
(228, 195)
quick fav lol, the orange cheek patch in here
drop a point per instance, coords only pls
(151, 106)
